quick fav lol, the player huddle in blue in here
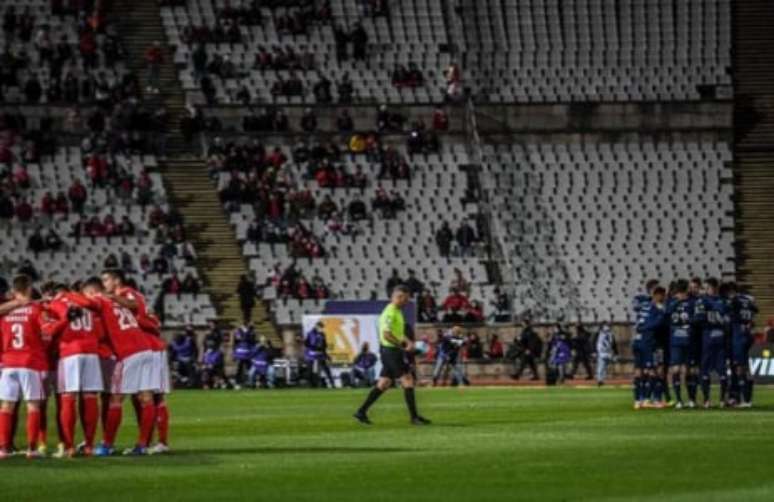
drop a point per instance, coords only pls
(688, 334)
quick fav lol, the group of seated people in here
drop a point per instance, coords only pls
(407, 77)
(291, 283)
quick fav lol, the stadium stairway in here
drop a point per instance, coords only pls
(754, 148)
(220, 259)
(139, 22)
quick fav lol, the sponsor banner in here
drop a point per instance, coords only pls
(345, 334)
(762, 363)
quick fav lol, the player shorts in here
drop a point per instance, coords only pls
(162, 366)
(107, 366)
(393, 363)
(740, 349)
(679, 355)
(22, 383)
(713, 358)
(136, 373)
(643, 356)
(79, 373)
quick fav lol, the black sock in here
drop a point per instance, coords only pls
(411, 402)
(371, 399)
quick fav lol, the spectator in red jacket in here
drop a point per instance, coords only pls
(77, 195)
(154, 58)
(61, 206)
(455, 306)
(440, 119)
(23, 211)
(47, 204)
(495, 348)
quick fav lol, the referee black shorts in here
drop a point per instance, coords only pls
(394, 364)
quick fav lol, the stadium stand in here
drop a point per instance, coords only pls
(81, 189)
(584, 225)
(595, 50)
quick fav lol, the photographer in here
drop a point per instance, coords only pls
(213, 365)
(261, 365)
(448, 357)
(184, 354)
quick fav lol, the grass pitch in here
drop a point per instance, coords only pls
(485, 445)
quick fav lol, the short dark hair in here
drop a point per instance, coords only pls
(651, 284)
(22, 283)
(93, 281)
(116, 273)
(48, 287)
(401, 288)
(712, 282)
(681, 286)
(659, 290)
(696, 280)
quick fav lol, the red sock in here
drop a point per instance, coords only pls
(162, 421)
(6, 426)
(67, 419)
(34, 420)
(89, 419)
(113, 423)
(42, 437)
(146, 424)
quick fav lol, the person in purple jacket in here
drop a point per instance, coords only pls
(213, 366)
(183, 353)
(364, 370)
(316, 355)
(243, 343)
(261, 366)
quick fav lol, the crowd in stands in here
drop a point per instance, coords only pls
(292, 283)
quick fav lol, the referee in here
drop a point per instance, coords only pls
(394, 344)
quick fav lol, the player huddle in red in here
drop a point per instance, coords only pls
(94, 341)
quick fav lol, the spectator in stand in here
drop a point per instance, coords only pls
(190, 285)
(455, 307)
(154, 58)
(364, 371)
(495, 351)
(24, 212)
(427, 308)
(77, 195)
(199, 59)
(172, 285)
(443, 238)
(53, 241)
(309, 120)
(453, 83)
(440, 119)
(344, 122)
(326, 208)
(474, 349)
(357, 210)
(502, 306)
(359, 39)
(35, 243)
(414, 285)
(466, 237)
(345, 89)
(246, 291)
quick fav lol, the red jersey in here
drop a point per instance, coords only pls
(80, 336)
(122, 328)
(148, 322)
(156, 343)
(23, 345)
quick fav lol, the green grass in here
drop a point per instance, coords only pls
(485, 445)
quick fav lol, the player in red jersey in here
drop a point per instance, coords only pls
(24, 365)
(135, 371)
(76, 333)
(113, 282)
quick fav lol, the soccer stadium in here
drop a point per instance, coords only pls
(386, 250)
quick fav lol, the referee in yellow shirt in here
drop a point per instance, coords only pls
(394, 345)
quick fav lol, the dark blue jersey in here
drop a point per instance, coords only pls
(639, 302)
(712, 313)
(743, 310)
(650, 318)
(680, 313)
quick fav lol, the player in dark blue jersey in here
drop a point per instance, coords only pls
(694, 352)
(711, 310)
(742, 314)
(680, 314)
(643, 299)
(650, 318)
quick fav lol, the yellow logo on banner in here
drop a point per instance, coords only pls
(338, 333)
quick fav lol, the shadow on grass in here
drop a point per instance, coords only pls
(297, 450)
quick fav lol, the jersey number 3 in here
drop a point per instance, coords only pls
(17, 330)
